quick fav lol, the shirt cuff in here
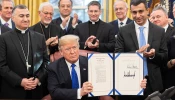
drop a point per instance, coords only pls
(74, 26)
(79, 93)
(62, 27)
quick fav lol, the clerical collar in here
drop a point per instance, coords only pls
(45, 26)
(21, 31)
(94, 22)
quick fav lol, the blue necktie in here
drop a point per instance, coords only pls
(142, 43)
(75, 84)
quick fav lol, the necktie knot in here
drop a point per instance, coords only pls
(141, 28)
(6, 24)
(73, 65)
(121, 23)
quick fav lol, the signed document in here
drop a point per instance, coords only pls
(115, 74)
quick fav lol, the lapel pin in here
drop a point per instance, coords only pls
(84, 68)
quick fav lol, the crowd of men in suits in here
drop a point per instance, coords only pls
(25, 72)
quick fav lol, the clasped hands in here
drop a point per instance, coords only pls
(143, 49)
(52, 41)
(29, 84)
(89, 43)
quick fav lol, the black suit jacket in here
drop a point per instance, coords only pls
(4, 29)
(115, 24)
(105, 34)
(13, 65)
(127, 42)
(13, 24)
(54, 31)
(59, 79)
(70, 29)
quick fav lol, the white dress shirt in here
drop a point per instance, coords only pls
(9, 22)
(145, 31)
(124, 22)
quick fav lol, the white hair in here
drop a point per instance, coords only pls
(44, 4)
(126, 5)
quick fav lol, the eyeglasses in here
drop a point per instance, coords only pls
(46, 13)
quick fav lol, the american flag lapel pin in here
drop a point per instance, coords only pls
(84, 68)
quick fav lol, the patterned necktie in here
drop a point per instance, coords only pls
(75, 84)
(6, 24)
(142, 43)
(121, 24)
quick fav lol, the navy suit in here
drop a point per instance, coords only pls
(59, 79)
(115, 24)
(13, 24)
(70, 29)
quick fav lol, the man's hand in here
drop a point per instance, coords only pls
(89, 42)
(28, 84)
(143, 83)
(143, 48)
(151, 53)
(50, 40)
(75, 19)
(64, 22)
(55, 41)
(86, 88)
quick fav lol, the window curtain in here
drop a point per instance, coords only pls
(111, 10)
(33, 6)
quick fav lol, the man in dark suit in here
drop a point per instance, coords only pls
(4, 29)
(65, 21)
(6, 7)
(144, 37)
(95, 35)
(160, 18)
(23, 59)
(121, 9)
(64, 79)
(50, 31)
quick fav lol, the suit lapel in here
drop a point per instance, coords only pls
(133, 34)
(65, 73)
(150, 34)
(83, 71)
(33, 40)
(116, 24)
(13, 25)
(17, 43)
(169, 32)
(70, 24)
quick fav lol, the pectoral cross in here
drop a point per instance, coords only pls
(28, 66)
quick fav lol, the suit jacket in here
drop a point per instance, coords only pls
(169, 76)
(13, 24)
(54, 31)
(105, 34)
(59, 79)
(70, 29)
(169, 32)
(13, 65)
(115, 24)
(4, 29)
(127, 42)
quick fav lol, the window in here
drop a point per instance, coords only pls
(79, 7)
